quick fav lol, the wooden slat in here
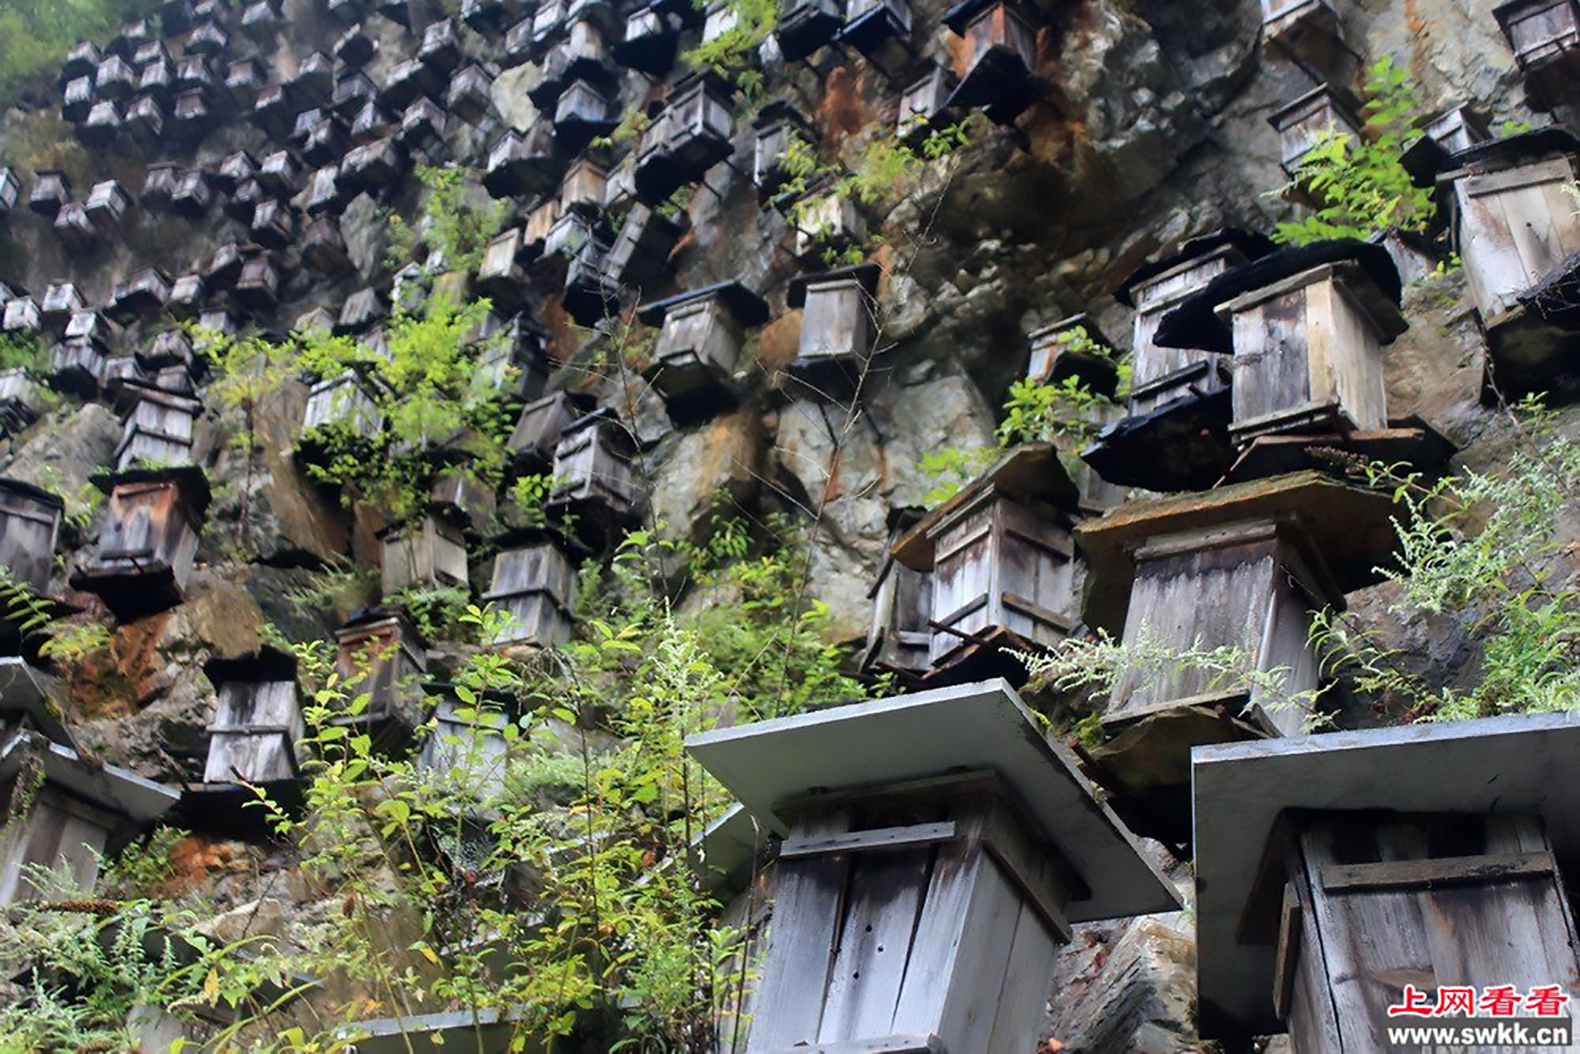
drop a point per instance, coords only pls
(1409, 874)
(1286, 959)
(878, 838)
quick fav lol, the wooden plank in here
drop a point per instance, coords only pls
(972, 1001)
(1286, 957)
(874, 942)
(940, 929)
(1028, 981)
(886, 1045)
(877, 838)
(808, 901)
(1408, 874)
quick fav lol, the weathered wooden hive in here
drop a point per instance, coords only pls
(839, 311)
(1333, 871)
(585, 186)
(51, 191)
(641, 249)
(514, 364)
(593, 475)
(371, 123)
(900, 639)
(470, 93)
(994, 68)
(1002, 561)
(145, 121)
(1175, 434)
(464, 751)
(144, 551)
(271, 110)
(20, 401)
(408, 81)
(440, 49)
(258, 285)
(826, 222)
(539, 427)
(75, 231)
(500, 276)
(141, 295)
(880, 30)
(372, 167)
(1545, 38)
(521, 164)
(159, 185)
(693, 365)
(352, 91)
(324, 248)
(1306, 328)
(688, 138)
(582, 113)
(422, 125)
(61, 301)
(427, 550)
(534, 583)
(344, 403)
(29, 524)
(589, 296)
(244, 79)
(81, 811)
(650, 40)
(937, 851)
(776, 126)
(257, 722)
(1516, 230)
(157, 427)
(1241, 566)
(76, 366)
(22, 315)
(380, 653)
(804, 26)
(314, 81)
(1303, 123)
(76, 99)
(106, 206)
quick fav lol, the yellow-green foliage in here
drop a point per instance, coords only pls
(35, 36)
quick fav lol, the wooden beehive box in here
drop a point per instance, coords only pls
(76, 99)
(143, 294)
(144, 551)
(465, 748)
(324, 248)
(244, 79)
(344, 402)
(422, 126)
(273, 225)
(806, 25)
(539, 427)
(20, 401)
(593, 476)
(258, 286)
(1002, 561)
(1242, 566)
(81, 811)
(514, 364)
(879, 29)
(76, 366)
(581, 113)
(145, 121)
(380, 653)
(693, 365)
(524, 164)
(649, 40)
(1545, 38)
(1058, 353)
(29, 525)
(1302, 123)
(107, 204)
(351, 92)
(470, 94)
(314, 81)
(193, 195)
(427, 551)
(1513, 222)
(838, 323)
(1307, 30)
(75, 231)
(688, 138)
(1308, 353)
(1457, 128)
(257, 723)
(157, 428)
(460, 496)
(440, 49)
(500, 276)
(589, 296)
(192, 117)
(280, 174)
(584, 186)
(51, 191)
(776, 126)
(271, 111)
(115, 79)
(159, 185)
(994, 68)
(937, 852)
(22, 316)
(827, 222)
(534, 583)
(642, 247)
(1335, 870)
(900, 637)
(61, 301)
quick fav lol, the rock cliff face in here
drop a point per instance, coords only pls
(1149, 126)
